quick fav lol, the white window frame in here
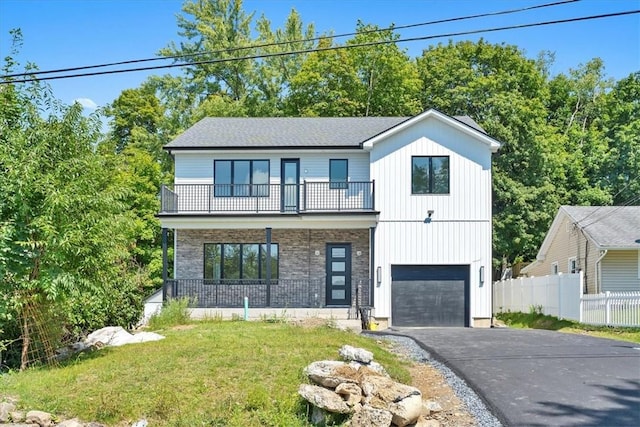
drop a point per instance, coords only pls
(554, 267)
(571, 269)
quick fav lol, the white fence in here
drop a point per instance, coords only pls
(611, 308)
(558, 295)
(561, 296)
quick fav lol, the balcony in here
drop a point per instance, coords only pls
(307, 197)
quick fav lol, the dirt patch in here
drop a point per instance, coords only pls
(434, 386)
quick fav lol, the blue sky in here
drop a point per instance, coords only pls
(64, 33)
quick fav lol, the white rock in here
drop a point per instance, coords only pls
(350, 353)
(433, 406)
(406, 411)
(117, 336)
(403, 401)
(323, 399)
(141, 423)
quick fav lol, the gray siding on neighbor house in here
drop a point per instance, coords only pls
(620, 271)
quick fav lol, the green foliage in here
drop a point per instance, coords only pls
(536, 320)
(174, 312)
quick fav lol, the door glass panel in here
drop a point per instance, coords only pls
(231, 263)
(241, 178)
(338, 252)
(338, 294)
(250, 261)
(290, 181)
(338, 281)
(337, 266)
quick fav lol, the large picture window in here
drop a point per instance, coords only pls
(241, 178)
(430, 175)
(338, 173)
(244, 261)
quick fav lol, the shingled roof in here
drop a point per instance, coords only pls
(609, 227)
(288, 132)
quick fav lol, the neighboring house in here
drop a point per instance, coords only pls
(393, 213)
(601, 241)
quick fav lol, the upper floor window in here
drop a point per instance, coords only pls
(554, 267)
(338, 173)
(572, 265)
(430, 175)
(241, 178)
(244, 261)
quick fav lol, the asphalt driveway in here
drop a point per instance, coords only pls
(542, 378)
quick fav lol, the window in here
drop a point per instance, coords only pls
(430, 175)
(554, 267)
(239, 261)
(572, 265)
(338, 173)
(241, 178)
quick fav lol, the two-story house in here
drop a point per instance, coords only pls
(388, 212)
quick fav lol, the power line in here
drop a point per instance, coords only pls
(296, 52)
(273, 44)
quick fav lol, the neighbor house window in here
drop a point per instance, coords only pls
(239, 261)
(430, 175)
(338, 173)
(572, 265)
(554, 268)
(241, 178)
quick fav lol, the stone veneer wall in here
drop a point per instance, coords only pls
(297, 247)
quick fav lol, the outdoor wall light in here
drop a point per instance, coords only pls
(427, 220)
(481, 275)
(379, 275)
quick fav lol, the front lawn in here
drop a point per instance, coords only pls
(212, 373)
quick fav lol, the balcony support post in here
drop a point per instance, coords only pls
(165, 263)
(268, 272)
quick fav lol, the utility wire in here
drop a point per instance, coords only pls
(273, 44)
(614, 196)
(296, 52)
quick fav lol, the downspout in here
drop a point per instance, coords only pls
(602, 255)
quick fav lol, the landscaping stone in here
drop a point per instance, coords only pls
(330, 373)
(71, 423)
(5, 409)
(362, 389)
(371, 417)
(324, 398)
(350, 353)
(42, 419)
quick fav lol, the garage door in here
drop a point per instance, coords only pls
(430, 295)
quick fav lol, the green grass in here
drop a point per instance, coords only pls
(209, 373)
(535, 320)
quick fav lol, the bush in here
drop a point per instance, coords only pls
(174, 312)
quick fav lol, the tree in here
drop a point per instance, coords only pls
(621, 126)
(64, 230)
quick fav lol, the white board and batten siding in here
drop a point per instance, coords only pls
(460, 229)
(197, 168)
(620, 271)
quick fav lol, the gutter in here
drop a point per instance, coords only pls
(602, 255)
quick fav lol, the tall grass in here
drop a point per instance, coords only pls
(174, 312)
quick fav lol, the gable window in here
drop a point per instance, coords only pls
(430, 175)
(572, 265)
(554, 267)
(338, 173)
(244, 261)
(241, 178)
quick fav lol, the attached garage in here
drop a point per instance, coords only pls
(430, 295)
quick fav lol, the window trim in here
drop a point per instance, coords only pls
(575, 269)
(261, 267)
(254, 189)
(338, 184)
(554, 268)
(431, 180)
